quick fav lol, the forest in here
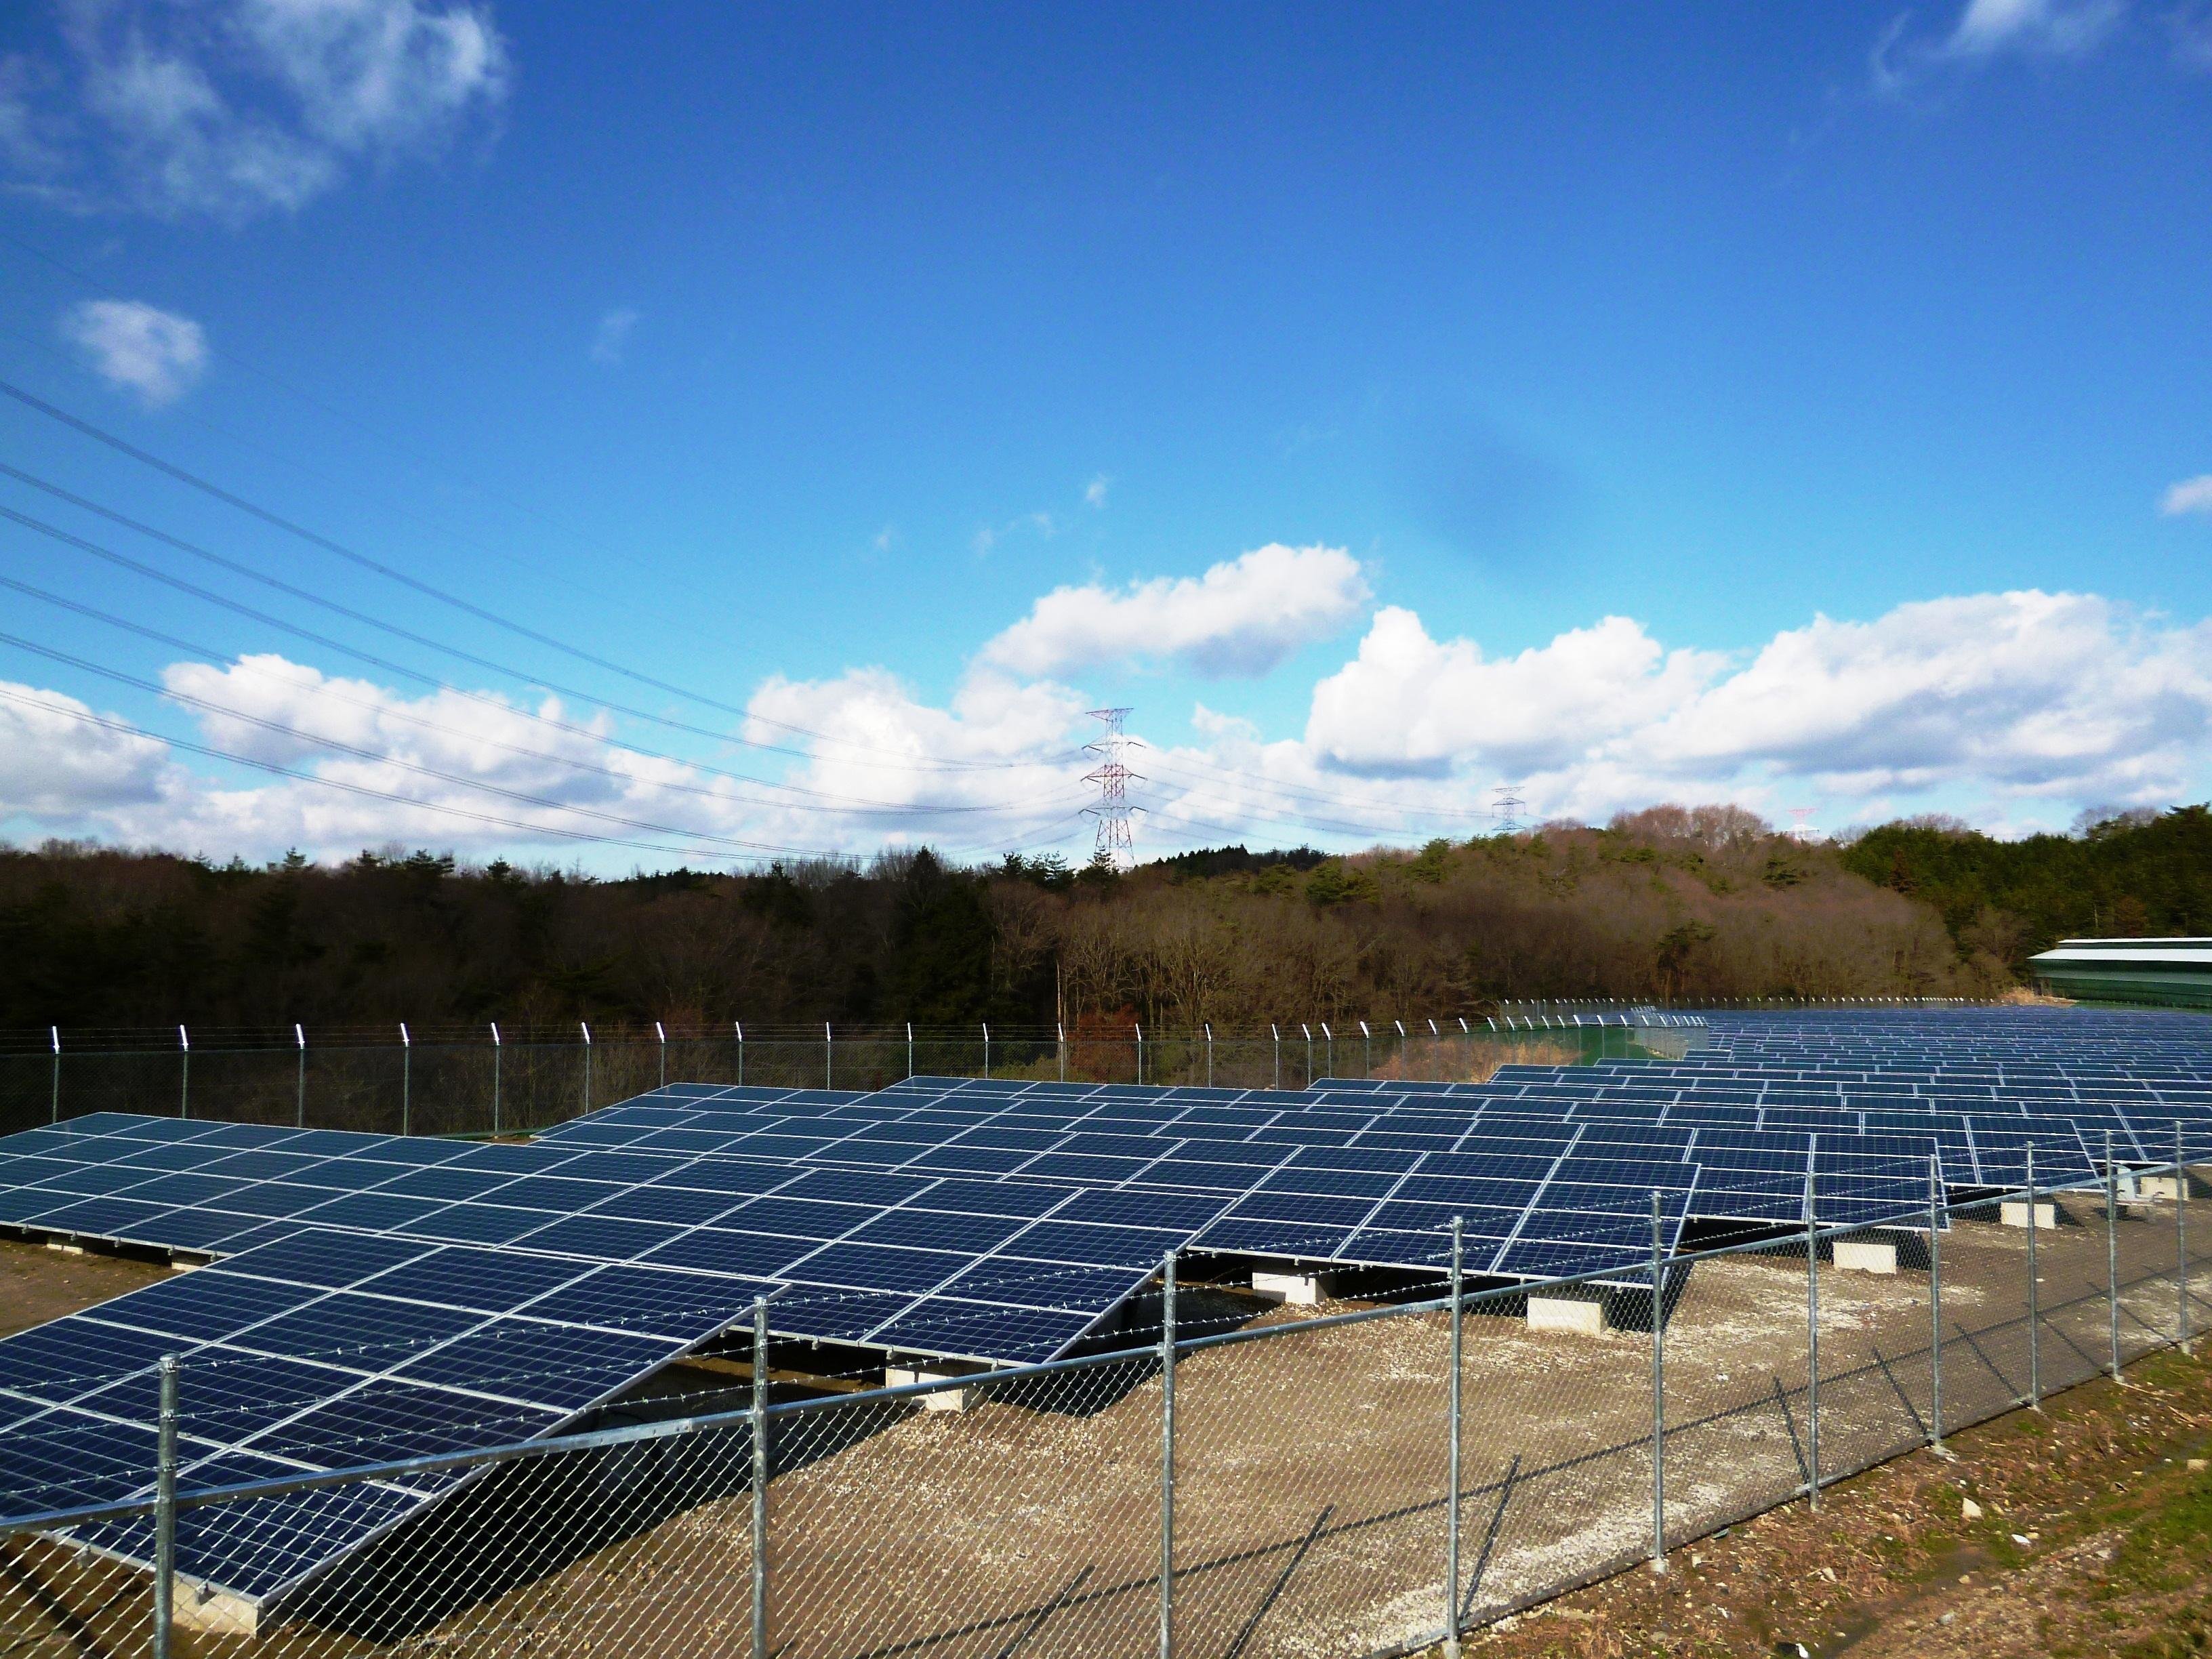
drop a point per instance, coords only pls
(1672, 904)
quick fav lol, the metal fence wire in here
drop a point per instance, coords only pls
(487, 1080)
(1236, 1479)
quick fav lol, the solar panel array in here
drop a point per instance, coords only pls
(377, 1297)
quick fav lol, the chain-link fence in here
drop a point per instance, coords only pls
(490, 1081)
(1236, 1478)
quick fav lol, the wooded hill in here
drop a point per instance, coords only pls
(1673, 904)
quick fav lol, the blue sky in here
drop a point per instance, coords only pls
(1797, 406)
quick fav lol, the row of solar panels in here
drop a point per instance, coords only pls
(381, 1297)
(1017, 1129)
(437, 1295)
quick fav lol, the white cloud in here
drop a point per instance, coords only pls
(1094, 493)
(239, 106)
(1242, 617)
(886, 770)
(611, 337)
(966, 773)
(2045, 27)
(154, 353)
(2012, 709)
(2025, 693)
(54, 764)
(1408, 703)
(1987, 30)
(2189, 495)
(1995, 698)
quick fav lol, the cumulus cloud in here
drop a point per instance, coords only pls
(241, 106)
(2026, 693)
(2015, 709)
(2002, 696)
(1242, 617)
(997, 760)
(54, 763)
(155, 354)
(365, 765)
(1408, 703)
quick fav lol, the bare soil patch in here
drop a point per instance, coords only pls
(37, 1284)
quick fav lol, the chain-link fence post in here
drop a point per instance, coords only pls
(1273, 1031)
(165, 1510)
(1167, 1454)
(2034, 1299)
(2113, 1250)
(1812, 1340)
(1658, 1389)
(1451, 1443)
(740, 1026)
(494, 1077)
(299, 1087)
(760, 1478)
(406, 1081)
(1140, 1030)
(57, 1115)
(2181, 1242)
(987, 1049)
(1935, 1303)
(828, 1052)
(587, 1065)
(1209, 1053)
(184, 1073)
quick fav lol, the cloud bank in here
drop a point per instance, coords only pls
(2016, 709)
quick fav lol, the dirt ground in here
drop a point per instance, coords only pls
(37, 1284)
(2093, 1536)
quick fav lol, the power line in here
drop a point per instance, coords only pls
(324, 689)
(125, 728)
(153, 573)
(315, 538)
(339, 746)
(87, 280)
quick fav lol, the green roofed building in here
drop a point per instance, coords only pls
(2167, 973)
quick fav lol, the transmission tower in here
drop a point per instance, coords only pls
(1506, 807)
(1802, 830)
(1113, 776)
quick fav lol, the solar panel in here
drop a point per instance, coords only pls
(377, 1296)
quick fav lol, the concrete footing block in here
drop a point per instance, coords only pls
(2165, 1187)
(945, 1400)
(1295, 1290)
(1867, 1255)
(209, 1612)
(2013, 1213)
(1574, 1316)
